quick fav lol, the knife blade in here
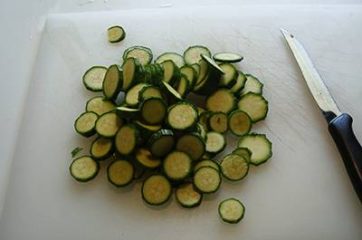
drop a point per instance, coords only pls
(339, 124)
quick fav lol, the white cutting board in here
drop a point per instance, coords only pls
(303, 192)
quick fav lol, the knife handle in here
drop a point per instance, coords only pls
(350, 149)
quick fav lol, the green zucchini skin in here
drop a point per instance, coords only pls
(118, 87)
(84, 79)
(146, 103)
(185, 205)
(91, 131)
(105, 156)
(118, 39)
(157, 136)
(184, 146)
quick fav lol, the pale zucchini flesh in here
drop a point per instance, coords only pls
(207, 163)
(115, 34)
(99, 105)
(175, 57)
(182, 116)
(231, 210)
(259, 146)
(108, 124)
(192, 144)
(177, 165)
(120, 173)
(84, 169)
(215, 142)
(112, 82)
(221, 100)
(187, 196)
(227, 57)
(126, 139)
(192, 54)
(142, 54)
(146, 159)
(153, 110)
(156, 190)
(255, 105)
(93, 78)
(85, 124)
(101, 148)
(207, 180)
(253, 85)
(239, 122)
(218, 122)
(132, 95)
(234, 167)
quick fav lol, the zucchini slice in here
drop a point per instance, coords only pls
(182, 116)
(112, 83)
(203, 72)
(253, 85)
(239, 84)
(146, 159)
(204, 119)
(101, 148)
(171, 91)
(255, 105)
(230, 75)
(207, 180)
(120, 173)
(218, 122)
(147, 129)
(187, 196)
(175, 57)
(177, 165)
(156, 190)
(84, 169)
(99, 105)
(148, 92)
(93, 78)
(108, 124)
(234, 167)
(132, 95)
(142, 54)
(244, 152)
(231, 210)
(85, 124)
(213, 65)
(196, 67)
(259, 146)
(126, 139)
(239, 122)
(207, 163)
(215, 142)
(153, 110)
(192, 144)
(127, 112)
(190, 74)
(171, 72)
(183, 86)
(201, 131)
(193, 54)
(115, 34)
(227, 57)
(221, 101)
(161, 142)
(130, 69)
(153, 73)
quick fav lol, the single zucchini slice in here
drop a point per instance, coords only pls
(175, 57)
(231, 210)
(142, 54)
(193, 54)
(146, 159)
(84, 169)
(207, 163)
(130, 71)
(101, 148)
(132, 95)
(112, 83)
(196, 67)
(171, 72)
(182, 116)
(108, 124)
(161, 142)
(207, 180)
(187, 196)
(177, 165)
(218, 122)
(253, 85)
(234, 167)
(126, 139)
(192, 144)
(127, 112)
(203, 72)
(227, 57)
(153, 110)
(85, 124)
(213, 65)
(146, 127)
(221, 101)
(239, 122)
(183, 86)
(215, 142)
(156, 190)
(259, 146)
(148, 92)
(120, 173)
(239, 84)
(255, 105)
(99, 105)
(244, 152)
(93, 78)
(171, 91)
(191, 75)
(116, 34)
(230, 75)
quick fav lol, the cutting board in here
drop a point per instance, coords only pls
(303, 192)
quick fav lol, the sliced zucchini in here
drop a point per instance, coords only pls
(207, 180)
(142, 54)
(116, 34)
(187, 196)
(192, 54)
(234, 167)
(213, 65)
(203, 72)
(215, 142)
(153, 73)
(146, 127)
(126, 139)
(207, 163)
(101, 148)
(171, 91)
(192, 144)
(259, 146)
(161, 142)
(239, 84)
(253, 85)
(156, 190)
(182, 116)
(221, 101)
(230, 75)
(191, 75)
(204, 120)
(148, 92)
(201, 131)
(244, 152)
(177, 165)
(239, 122)
(175, 57)
(146, 159)
(112, 83)
(120, 173)
(255, 105)
(227, 57)
(84, 169)
(218, 122)
(132, 95)
(231, 210)
(127, 112)
(130, 70)
(153, 110)
(211, 80)
(171, 72)
(108, 124)
(183, 86)
(196, 67)
(85, 124)
(99, 105)
(93, 78)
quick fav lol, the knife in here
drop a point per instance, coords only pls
(339, 124)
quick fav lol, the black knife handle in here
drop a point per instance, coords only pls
(350, 149)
